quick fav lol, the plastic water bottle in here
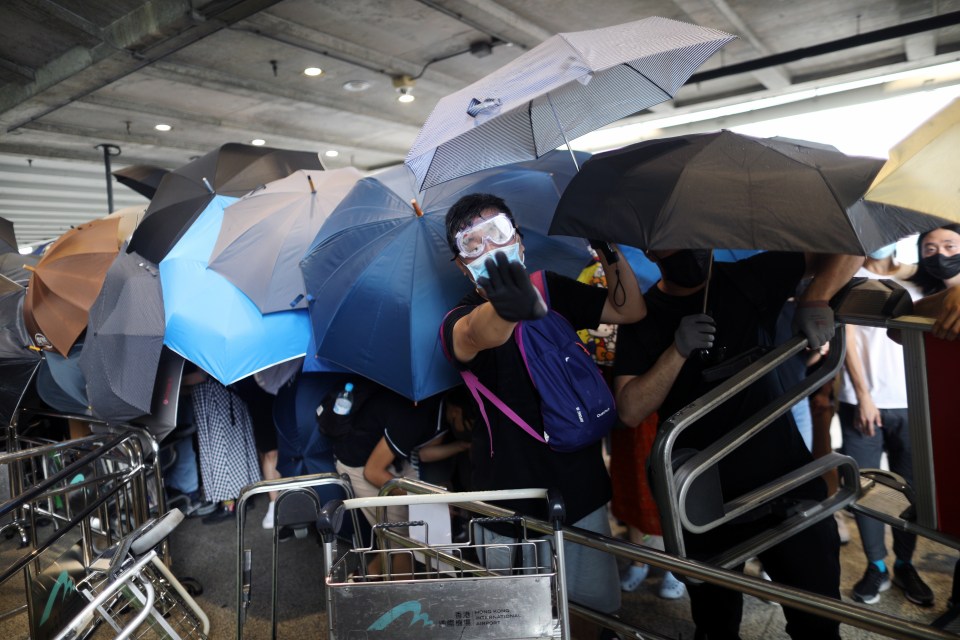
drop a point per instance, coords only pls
(344, 401)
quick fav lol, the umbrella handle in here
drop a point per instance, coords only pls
(416, 207)
(706, 288)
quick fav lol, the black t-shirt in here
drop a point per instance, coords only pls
(743, 297)
(386, 413)
(518, 461)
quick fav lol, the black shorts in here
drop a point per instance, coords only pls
(260, 405)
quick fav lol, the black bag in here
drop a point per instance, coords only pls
(335, 426)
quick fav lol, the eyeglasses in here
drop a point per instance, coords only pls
(497, 230)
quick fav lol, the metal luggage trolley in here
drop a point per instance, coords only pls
(134, 593)
(447, 594)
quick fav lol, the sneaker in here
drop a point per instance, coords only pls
(914, 588)
(871, 585)
(223, 512)
(671, 588)
(634, 577)
(204, 508)
(285, 533)
(268, 519)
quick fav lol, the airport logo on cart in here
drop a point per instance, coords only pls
(411, 606)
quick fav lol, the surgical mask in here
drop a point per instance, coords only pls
(478, 268)
(883, 252)
(686, 268)
(940, 266)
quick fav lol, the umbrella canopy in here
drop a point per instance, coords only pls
(265, 235)
(16, 266)
(18, 361)
(142, 178)
(66, 281)
(921, 173)
(732, 191)
(124, 339)
(8, 239)
(212, 323)
(380, 276)
(565, 87)
(130, 218)
(232, 170)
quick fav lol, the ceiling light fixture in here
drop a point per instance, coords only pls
(332, 153)
(312, 71)
(162, 127)
(258, 142)
(404, 86)
(356, 85)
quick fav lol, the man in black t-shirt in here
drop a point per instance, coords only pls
(659, 368)
(479, 333)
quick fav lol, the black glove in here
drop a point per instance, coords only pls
(814, 319)
(509, 290)
(695, 332)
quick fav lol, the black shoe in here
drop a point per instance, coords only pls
(914, 588)
(204, 508)
(284, 534)
(223, 512)
(871, 585)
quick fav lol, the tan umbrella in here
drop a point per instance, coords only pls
(921, 173)
(129, 217)
(66, 281)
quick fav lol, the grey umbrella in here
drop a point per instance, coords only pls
(124, 340)
(13, 266)
(18, 362)
(8, 239)
(568, 85)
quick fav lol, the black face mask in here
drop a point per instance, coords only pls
(686, 268)
(940, 266)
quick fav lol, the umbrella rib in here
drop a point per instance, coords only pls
(645, 77)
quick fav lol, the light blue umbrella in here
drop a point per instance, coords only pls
(210, 321)
(381, 277)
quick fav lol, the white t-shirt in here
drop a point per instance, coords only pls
(882, 359)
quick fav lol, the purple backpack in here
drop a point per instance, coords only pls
(576, 403)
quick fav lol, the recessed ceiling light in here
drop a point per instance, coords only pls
(356, 85)
(312, 71)
(24, 251)
(258, 142)
(332, 153)
(406, 97)
(162, 127)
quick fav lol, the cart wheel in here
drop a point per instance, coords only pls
(192, 585)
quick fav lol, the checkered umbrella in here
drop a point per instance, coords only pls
(569, 85)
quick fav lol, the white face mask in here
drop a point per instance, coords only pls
(478, 268)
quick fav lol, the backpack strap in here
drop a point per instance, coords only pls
(477, 389)
(539, 280)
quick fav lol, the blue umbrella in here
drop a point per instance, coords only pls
(380, 276)
(210, 321)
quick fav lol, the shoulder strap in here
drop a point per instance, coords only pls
(539, 280)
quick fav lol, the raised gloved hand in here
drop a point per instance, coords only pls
(695, 332)
(509, 290)
(814, 319)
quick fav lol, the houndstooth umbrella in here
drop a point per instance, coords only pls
(124, 338)
(565, 87)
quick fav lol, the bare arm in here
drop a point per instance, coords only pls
(436, 449)
(639, 396)
(868, 416)
(830, 272)
(625, 303)
(945, 307)
(376, 469)
(479, 330)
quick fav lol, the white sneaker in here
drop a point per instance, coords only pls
(268, 519)
(633, 577)
(842, 528)
(671, 588)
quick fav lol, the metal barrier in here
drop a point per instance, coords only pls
(289, 488)
(890, 626)
(684, 505)
(97, 484)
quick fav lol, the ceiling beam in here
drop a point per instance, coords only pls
(30, 150)
(363, 56)
(151, 31)
(228, 83)
(311, 134)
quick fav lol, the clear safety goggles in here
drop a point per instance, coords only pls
(497, 230)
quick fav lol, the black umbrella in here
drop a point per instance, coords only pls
(8, 239)
(142, 178)
(124, 340)
(18, 362)
(232, 170)
(732, 191)
(12, 265)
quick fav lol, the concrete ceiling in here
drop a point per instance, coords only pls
(78, 73)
